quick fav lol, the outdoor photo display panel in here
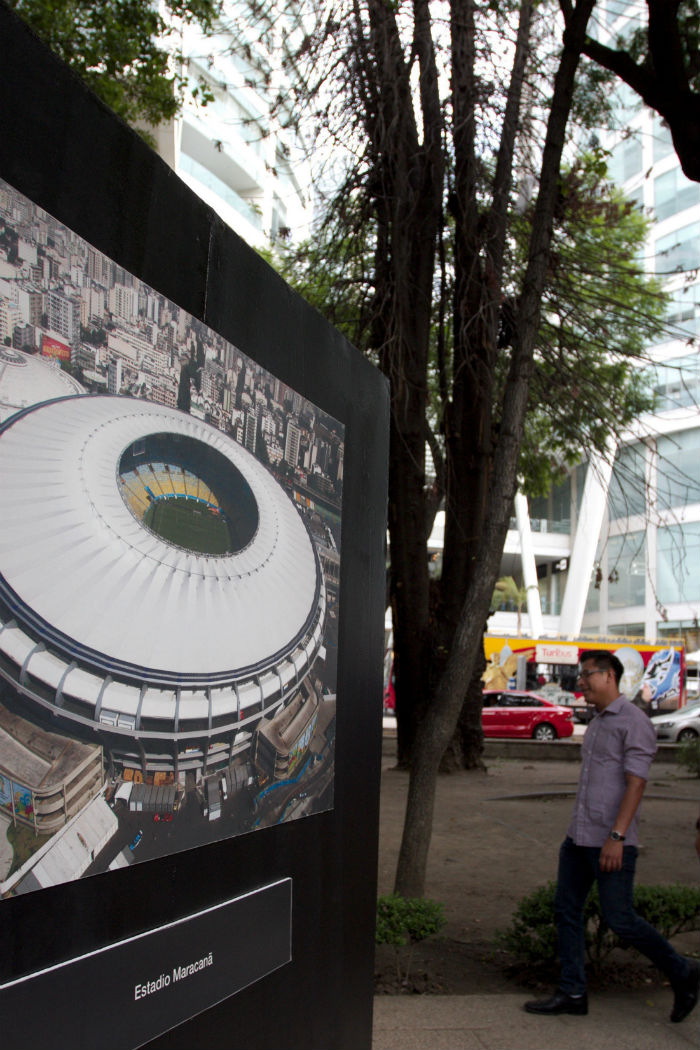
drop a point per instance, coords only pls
(169, 573)
(65, 153)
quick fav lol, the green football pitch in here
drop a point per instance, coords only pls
(190, 525)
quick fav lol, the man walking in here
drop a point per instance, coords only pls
(601, 844)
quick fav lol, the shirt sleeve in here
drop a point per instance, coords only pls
(640, 745)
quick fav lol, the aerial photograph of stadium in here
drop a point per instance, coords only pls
(170, 535)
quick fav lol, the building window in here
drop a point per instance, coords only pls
(617, 8)
(581, 471)
(674, 193)
(636, 198)
(626, 570)
(626, 159)
(539, 513)
(687, 630)
(663, 143)
(684, 311)
(561, 506)
(593, 597)
(248, 127)
(227, 194)
(626, 630)
(678, 563)
(678, 470)
(679, 251)
(677, 383)
(627, 493)
(552, 513)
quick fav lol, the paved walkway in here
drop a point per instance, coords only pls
(618, 1019)
(634, 1020)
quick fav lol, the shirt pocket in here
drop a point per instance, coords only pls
(601, 809)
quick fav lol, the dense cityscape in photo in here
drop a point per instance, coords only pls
(63, 299)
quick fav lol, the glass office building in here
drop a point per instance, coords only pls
(242, 152)
(642, 578)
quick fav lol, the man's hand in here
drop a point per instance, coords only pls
(611, 856)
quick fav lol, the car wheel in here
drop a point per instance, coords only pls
(687, 734)
(544, 731)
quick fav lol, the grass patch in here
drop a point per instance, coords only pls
(190, 525)
(24, 843)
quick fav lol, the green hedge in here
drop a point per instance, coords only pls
(532, 936)
(403, 922)
(689, 756)
(407, 920)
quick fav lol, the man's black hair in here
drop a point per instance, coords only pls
(604, 661)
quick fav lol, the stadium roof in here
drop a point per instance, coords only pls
(26, 379)
(101, 608)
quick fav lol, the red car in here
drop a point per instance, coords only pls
(517, 714)
(389, 693)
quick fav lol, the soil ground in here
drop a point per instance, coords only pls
(496, 837)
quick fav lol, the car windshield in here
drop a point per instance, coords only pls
(682, 712)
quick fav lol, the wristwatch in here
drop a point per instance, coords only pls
(616, 836)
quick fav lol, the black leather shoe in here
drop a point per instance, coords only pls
(559, 1003)
(685, 995)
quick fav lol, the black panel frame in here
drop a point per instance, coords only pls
(65, 150)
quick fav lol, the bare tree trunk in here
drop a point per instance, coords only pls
(407, 184)
(478, 261)
(441, 717)
(466, 748)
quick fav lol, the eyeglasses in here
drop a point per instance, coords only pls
(587, 674)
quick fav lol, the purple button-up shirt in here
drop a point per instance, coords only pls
(618, 740)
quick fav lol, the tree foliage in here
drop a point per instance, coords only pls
(507, 592)
(496, 288)
(659, 58)
(600, 311)
(438, 128)
(125, 50)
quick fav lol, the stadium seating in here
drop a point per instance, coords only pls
(150, 481)
(133, 488)
(162, 475)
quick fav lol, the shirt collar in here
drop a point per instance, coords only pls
(615, 707)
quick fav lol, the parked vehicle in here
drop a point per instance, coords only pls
(162, 818)
(389, 692)
(584, 714)
(582, 711)
(680, 725)
(553, 692)
(510, 713)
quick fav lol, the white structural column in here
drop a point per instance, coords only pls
(588, 526)
(527, 555)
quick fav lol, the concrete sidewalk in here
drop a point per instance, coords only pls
(619, 1020)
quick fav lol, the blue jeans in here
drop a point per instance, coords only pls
(578, 869)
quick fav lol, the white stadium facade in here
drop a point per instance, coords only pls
(169, 651)
(28, 378)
